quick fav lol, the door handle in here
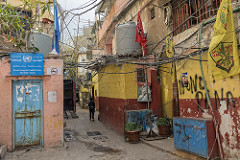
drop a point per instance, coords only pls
(186, 138)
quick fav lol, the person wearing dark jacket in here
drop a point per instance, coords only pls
(91, 106)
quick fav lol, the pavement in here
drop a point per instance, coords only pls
(87, 140)
(167, 145)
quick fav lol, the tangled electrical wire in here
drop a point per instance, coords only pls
(98, 64)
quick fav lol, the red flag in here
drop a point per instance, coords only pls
(139, 36)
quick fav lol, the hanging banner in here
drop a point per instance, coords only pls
(223, 58)
(169, 46)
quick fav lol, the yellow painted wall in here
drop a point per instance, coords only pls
(166, 91)
(192, 68)
(95, 84)
(122, 86)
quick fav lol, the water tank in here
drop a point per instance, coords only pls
(125, 39)
(41, 41)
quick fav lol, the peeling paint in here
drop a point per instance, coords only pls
(189, 110)
(22, 89)
(20, 99)
(226, 129)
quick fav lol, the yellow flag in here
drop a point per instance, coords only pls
(169, 46)
(223, 56)
(169, 53)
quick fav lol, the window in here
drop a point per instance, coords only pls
(140, 75)
(152, 13)
(182, 9)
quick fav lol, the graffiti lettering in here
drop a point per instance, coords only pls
(230, 99)
(195, 86)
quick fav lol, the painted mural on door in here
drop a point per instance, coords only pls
(27, 113)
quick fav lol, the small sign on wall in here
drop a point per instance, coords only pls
(54, 71)
(52, 96)
(26, 64)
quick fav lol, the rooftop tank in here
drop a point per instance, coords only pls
(41, 41)
(125, 39)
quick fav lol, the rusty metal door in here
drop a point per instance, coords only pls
(27, 113)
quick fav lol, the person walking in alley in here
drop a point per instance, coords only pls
(91, 106)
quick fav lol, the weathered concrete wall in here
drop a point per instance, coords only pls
(151, 26)
(52, 112)
(156, 30)
(115, 10)
(118, 92)
(166, 91)
(224, 94)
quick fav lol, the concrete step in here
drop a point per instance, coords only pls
(167, 145)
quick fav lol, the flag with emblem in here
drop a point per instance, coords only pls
(223, 58)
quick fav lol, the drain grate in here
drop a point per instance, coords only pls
(90, 134)
(97, 133)
(102, 138)
(94, 133)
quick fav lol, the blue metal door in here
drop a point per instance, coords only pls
(198, 137)
(27, 113)
(180, 134)
(191, 135)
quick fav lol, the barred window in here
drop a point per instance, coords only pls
(140, 75)
(183, 9)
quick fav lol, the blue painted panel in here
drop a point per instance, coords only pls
(140, 117)
(190, 135)
(26, 64)
(197, 141)
(180, 134)
(27, 112)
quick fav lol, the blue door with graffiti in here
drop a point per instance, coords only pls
(27, 113)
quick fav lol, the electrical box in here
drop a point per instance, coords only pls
(196, 136)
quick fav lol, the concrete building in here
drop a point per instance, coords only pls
(116, 93)
(194, 108)
(182, 90)
(31, 107)
(31, 100)
(84, 44)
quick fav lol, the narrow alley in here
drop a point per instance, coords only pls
(161, 76)
(106, 145)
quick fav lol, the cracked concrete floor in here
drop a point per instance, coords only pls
(108, 146)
